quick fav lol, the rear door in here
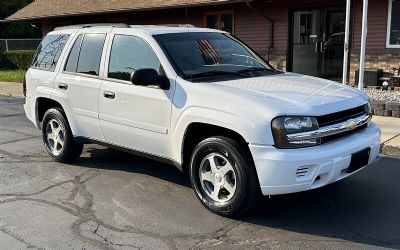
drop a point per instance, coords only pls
(131, 116)
(80, 81)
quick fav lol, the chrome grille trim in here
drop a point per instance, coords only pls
(334, 129)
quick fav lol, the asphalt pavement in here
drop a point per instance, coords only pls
(113, 200)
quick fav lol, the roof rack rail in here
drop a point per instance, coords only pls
(83, 26)
(172, 25)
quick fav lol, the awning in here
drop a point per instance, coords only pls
(42, 9)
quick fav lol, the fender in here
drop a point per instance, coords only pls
(62, 98)
(52, 94)
(208, 116)
(40, 91)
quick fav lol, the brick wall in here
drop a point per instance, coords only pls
(377, 59)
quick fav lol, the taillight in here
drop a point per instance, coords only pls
(24, 86)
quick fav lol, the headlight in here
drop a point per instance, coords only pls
(285, 125)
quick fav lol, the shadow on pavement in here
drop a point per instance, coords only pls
(364, 208)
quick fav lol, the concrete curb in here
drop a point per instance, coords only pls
(390, 147)
(391, 150)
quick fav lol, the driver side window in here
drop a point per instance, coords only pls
(130, 53)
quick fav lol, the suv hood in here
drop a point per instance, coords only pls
(292, 93)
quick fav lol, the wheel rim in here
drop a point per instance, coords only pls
(217, 177)
(55, 137)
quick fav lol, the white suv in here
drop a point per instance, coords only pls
(202, 100)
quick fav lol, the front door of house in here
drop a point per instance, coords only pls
(317, 42)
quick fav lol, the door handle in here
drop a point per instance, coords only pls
(63, 86)
(109, 94)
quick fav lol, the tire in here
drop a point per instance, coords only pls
(57, 137)
(233, 174)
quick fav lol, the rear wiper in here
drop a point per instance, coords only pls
(254, 69)
(214, 73)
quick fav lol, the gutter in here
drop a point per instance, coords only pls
(270, 20)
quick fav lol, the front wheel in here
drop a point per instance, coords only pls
(57, 137)
(223, 176)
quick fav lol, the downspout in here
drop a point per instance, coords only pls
(271, 45)
(363, 45)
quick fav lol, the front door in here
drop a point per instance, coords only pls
(317, 42)
(134, 117)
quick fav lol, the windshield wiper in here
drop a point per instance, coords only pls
(214, 73)
(254, 69)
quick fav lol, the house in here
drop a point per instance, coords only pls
(304, 36)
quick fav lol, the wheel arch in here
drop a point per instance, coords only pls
(44, 103)
(198, 123)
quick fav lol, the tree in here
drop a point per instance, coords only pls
(15, 30)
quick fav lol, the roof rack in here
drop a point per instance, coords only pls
(172, 25)
(83, 26)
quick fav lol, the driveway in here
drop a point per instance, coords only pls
(113, 200)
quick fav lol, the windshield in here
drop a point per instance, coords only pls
(209, 54)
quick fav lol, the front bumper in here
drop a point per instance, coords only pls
(282, 171)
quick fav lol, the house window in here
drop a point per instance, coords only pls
(393, 36)
(221, 20)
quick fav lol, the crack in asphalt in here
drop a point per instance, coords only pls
(20, 239)
(12, 115)
(14, 131)
(86, 214)
(19, 140)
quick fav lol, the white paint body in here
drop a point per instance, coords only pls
(154, 121)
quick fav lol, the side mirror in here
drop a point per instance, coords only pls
(149, 77)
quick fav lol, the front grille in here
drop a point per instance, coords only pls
(337, 117)
(342, 116)
(331, 138)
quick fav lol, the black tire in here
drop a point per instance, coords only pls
(247, 192)
(70, 150)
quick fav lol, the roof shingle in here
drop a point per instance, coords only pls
(41, 9)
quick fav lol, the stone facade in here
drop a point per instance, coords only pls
(279, 60)
(384, 59)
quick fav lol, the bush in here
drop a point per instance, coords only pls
(16, 59)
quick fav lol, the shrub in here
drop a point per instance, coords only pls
(16, 59)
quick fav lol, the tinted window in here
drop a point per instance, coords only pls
(49, 51)
(204, 52)
(72, 62)
(129, 53)
(90, 55)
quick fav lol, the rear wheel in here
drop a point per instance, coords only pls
(223, 176)
(57, 137)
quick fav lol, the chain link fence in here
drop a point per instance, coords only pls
(19, 44)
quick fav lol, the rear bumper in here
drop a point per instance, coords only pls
(282, 171)
(29, 110)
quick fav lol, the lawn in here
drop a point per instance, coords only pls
(11, 75)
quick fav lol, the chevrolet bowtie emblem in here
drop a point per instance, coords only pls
(351, 125)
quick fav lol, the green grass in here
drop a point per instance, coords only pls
(11, 75)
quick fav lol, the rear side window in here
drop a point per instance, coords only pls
(72, 62)
(85, 55)
(49, 52)
(129, 53)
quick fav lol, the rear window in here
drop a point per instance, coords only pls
(49, 51)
